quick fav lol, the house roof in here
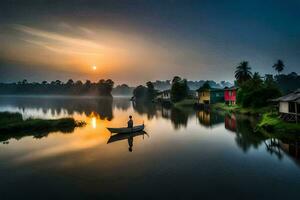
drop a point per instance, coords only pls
(294, 96)
(231, 88)
(210, 89)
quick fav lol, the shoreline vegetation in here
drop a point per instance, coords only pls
(241, 110)
(251, 95)
(272, 124)
(12, 125)
(269, 122)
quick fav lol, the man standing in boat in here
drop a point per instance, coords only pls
(130, 122)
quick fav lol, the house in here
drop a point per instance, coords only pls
(289, 106)
(230, 95)
(164, 95)
(208, 95)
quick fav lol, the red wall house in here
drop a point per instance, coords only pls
(230, 95)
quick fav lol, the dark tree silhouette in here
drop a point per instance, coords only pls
(279, 66)
(179, 89)
(243, 72)
(102, 88)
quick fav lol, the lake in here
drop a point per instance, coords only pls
(184, 154)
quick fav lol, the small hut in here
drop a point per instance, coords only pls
(289, 106)
(209, 95)
(230, 95)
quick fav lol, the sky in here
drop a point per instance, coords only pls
(133, 41)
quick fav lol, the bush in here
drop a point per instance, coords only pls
(256, 93)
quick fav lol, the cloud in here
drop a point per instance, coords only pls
(55, 37)
(59, 49)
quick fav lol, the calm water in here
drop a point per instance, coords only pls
(184, 155)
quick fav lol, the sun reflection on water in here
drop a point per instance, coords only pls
(94, 122)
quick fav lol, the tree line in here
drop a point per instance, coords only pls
(102, 87)
(256, 90)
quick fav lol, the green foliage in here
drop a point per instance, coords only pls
(7, 118)
(145, 93)
(288, 82)
(105, 87)
(256, 93)
(185, 103)
(140, 92)
(179, 89)
(241, 110)
(271, 123)
(13, 123)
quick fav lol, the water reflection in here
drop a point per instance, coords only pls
(58, 107)
(4, 138)
(209, 119)
(178, 116)
(204, 149)
(246, 138)
(129, 137)
(292, 148)
(99, 112)
(243, 127)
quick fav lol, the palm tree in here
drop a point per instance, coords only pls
(279, 66)
(242, 72)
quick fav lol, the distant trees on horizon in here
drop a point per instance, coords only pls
(57, 87)
(285, 82)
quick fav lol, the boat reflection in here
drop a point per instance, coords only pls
(128, 136)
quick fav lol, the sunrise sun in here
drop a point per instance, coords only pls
(94, 67)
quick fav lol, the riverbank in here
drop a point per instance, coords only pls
(14, 123)
(240, 110)
(271, 123)
(185, 103)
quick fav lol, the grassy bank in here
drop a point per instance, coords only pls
(13, 123)
(271, 123)
(186, 103)
(240, 110)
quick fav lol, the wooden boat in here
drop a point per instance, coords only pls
(125, 136)
(127, 130)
